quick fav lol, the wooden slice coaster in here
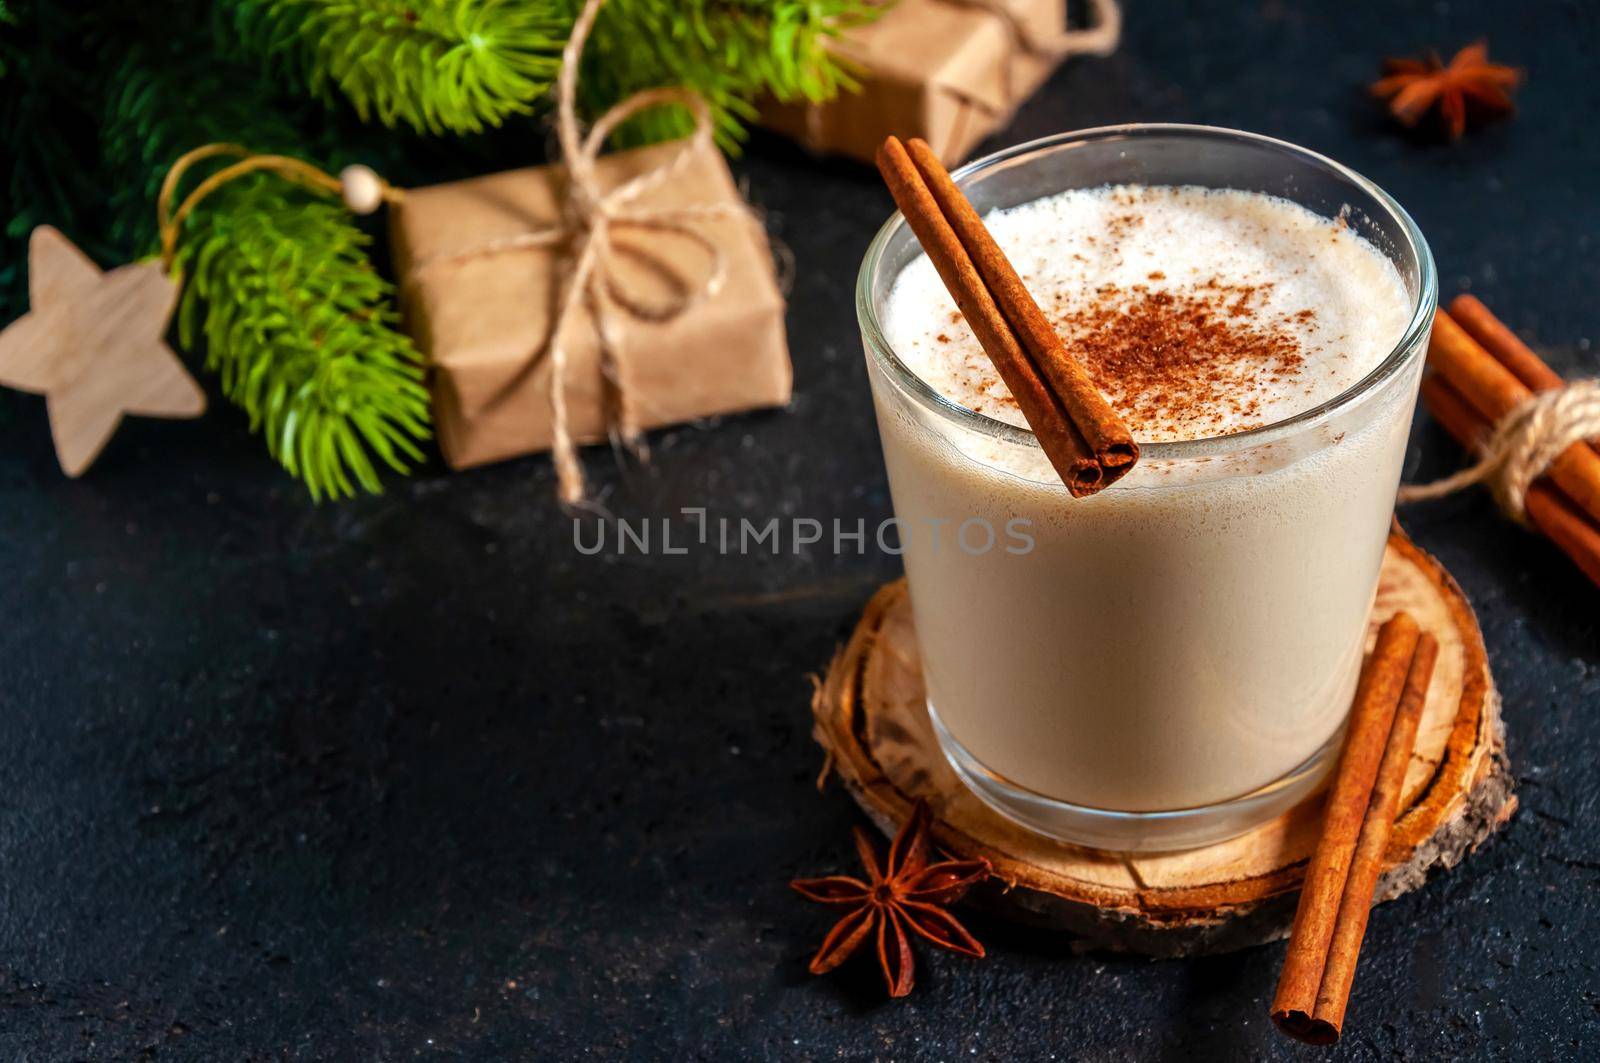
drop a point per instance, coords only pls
(872, 721)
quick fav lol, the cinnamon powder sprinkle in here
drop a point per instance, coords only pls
(1187, 362)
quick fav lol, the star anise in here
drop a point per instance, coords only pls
(1470, 86)
(904, 892)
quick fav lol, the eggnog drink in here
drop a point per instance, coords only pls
(1192, 634)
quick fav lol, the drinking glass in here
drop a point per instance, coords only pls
(1171, 661)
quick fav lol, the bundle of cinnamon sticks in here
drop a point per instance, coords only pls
(1481, 372)
(1083, 436)
(1320, 965)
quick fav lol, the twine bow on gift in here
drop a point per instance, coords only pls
(1522, 446)
(590, 222)
(591, 219)
(1100, 37)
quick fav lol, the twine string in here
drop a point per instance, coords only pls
(169, 222)
(1522, 447)
(1099, 37)
(589, 232)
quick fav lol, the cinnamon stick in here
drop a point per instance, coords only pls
(1494, 391)
(1549, 511)
(1102, 427)
(1340, 971)
(1371, 719)
(1507, 348)
(1058, 433)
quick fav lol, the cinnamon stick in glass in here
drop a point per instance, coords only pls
(1549, 511)
(1378, 694)
(1102, 427)
(1494, 391)
(1048, 411)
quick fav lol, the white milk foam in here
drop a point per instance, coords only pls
(1067, 247)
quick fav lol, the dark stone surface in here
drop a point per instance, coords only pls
(409, 777)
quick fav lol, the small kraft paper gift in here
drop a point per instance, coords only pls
(948, 71)
(593, 299)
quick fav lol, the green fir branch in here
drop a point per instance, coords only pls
(298, 325)
(296, 322)
(9, 21)
(98, 101)
(436, 65)
(465, 65)
(47, 134)
(150, 121)
(730, 51)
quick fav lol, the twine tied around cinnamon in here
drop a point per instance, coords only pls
(591, 219)
(1522, 447)
(1099, 37)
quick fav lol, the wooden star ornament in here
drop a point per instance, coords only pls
(91, 344)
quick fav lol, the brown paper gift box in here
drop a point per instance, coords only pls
(928, 68)
(482, 318)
